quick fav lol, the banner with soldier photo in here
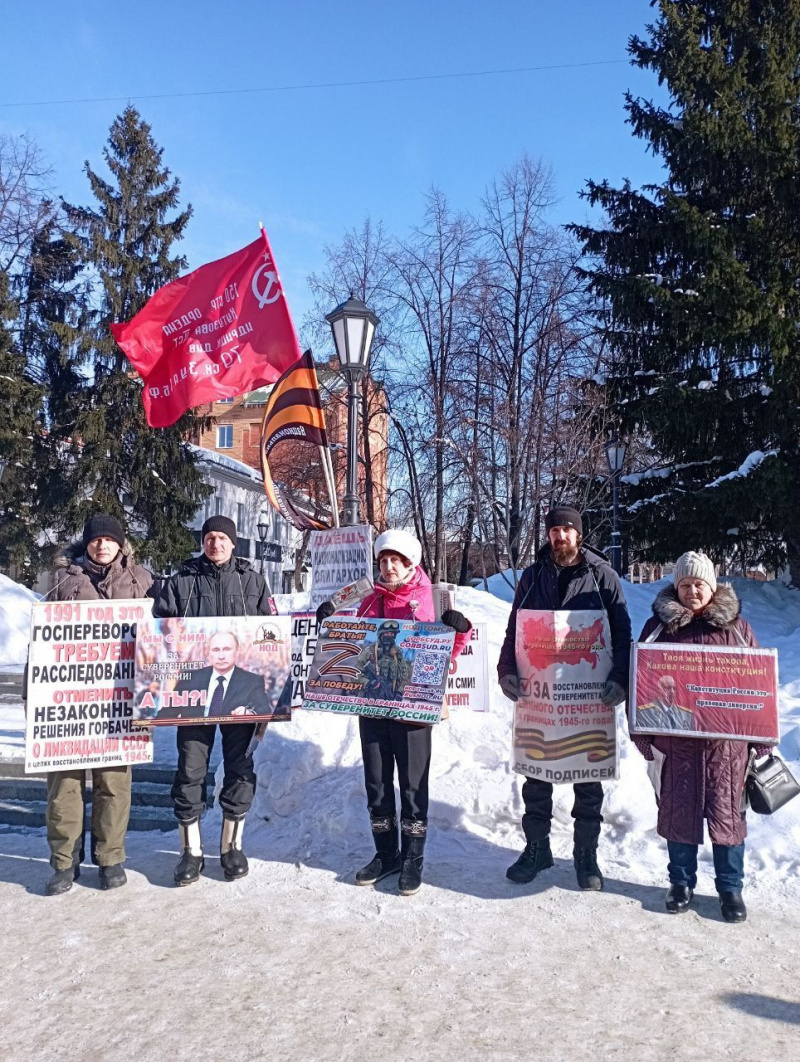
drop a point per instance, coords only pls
(80, 691)
(705, 691)
(221, 669)
(395, 669)
(562, 731)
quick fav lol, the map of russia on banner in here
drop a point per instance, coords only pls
(562, 732)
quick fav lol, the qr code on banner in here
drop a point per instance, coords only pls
(429, 668)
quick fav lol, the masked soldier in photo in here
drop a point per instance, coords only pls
(385, 669)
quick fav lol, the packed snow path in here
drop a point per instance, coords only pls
(295, 963)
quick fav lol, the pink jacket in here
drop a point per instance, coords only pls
(413, 600)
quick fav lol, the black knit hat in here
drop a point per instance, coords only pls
(220, 523)
(564, 516)
(103, 525)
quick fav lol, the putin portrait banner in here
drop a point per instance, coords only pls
(221, 669)
(562, 731)
(395, 669)
(704, 691)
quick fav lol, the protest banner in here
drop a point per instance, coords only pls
(468, 679)
(704, 691)
(80, 691)
(339, 556)
(304, 642)
(394, 669)
(562, 731)
(220, 669)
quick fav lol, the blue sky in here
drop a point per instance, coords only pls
(313, 162)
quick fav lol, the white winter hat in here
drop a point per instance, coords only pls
(695, 566)
(402, 542)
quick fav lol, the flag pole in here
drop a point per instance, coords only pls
(327, 468)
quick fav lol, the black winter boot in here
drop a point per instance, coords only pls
(61, 881)
(412, 847)
(191, 862)
(112, 877)
(536, 856)
(678, 899)
(586, 869)
(387, 855)
(232, 858)
(733, 908)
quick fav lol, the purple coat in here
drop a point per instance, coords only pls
(701, 778)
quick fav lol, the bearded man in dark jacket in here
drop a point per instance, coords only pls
(217, 583)
(567, 575)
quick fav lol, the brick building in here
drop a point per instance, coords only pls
(236, 433)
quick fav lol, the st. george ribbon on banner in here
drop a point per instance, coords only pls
(217, 332)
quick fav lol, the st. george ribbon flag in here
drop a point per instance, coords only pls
(215, 333)
(293, 415)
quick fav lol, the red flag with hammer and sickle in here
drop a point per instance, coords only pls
(216, 333)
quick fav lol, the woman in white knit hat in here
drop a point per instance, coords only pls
(701, 778)
(402, 591)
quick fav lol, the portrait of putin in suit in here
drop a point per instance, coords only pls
(226, 690)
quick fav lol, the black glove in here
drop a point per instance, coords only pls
(457, 620)
(509, 684)
(612, 693)
(324, 610)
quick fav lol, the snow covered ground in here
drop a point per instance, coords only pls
(294, 962)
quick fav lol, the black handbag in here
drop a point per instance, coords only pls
(770, 785)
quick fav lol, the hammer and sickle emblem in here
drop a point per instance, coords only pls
(272, 291)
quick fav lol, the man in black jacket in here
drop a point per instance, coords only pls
(566, 575)
(215, 584)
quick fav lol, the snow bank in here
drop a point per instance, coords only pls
(15, 623)
(311, 807)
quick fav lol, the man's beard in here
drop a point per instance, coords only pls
(564, 554)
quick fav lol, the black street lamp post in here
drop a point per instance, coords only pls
(353, 325)
(263, 530)
(615, 453)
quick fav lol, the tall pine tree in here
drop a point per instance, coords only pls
(698, 282)
(125, 241)
(20, 427)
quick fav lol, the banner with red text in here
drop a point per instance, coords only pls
(468, 680)
(216, 669)
(562, 732)
(215, 333)
(704, 691)
(80, 692)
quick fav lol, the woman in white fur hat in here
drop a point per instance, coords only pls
(402, 591)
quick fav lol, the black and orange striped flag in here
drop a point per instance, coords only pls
(294, 415)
